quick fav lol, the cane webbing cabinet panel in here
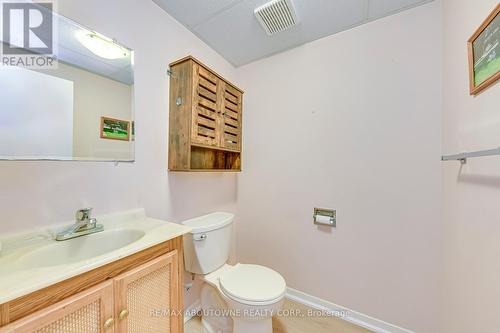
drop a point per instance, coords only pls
(86, 312)
(146, 296)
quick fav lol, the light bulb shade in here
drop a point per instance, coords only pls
(101, 46)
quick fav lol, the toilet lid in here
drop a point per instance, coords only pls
(253, 283)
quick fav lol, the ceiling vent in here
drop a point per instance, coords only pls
(276, 16)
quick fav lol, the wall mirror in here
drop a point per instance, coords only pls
(83, 109)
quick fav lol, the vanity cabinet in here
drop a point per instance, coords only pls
(140, 293)
(205, 119)
(87, 311)
(145, 295)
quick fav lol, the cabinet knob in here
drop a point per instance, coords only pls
(109, 322)
(123, 314)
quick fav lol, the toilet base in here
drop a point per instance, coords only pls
(206, 327)
(239, 326)
(217, 316)
(252, 326)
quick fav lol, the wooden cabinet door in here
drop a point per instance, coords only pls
(205, 107)
(230, 126)
(146, 298)
(90, 311)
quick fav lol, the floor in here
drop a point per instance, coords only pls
(296, 324)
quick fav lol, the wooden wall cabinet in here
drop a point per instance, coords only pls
(205, 119)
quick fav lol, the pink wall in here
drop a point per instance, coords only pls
(351, 122)
(34, 194)
(471, 193)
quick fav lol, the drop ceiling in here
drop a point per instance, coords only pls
(230, 27)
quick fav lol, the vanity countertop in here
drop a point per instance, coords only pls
(19, 278)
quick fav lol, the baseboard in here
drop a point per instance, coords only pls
(351, 316)
(191, 311)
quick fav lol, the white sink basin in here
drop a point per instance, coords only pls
(32, 261)
(81, 248)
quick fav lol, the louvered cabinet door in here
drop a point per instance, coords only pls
(146, 298)
(90, 311)
(230, 130)
(205, 122)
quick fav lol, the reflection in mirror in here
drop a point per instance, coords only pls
(82, 109)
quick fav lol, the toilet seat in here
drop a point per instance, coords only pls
(253, 284)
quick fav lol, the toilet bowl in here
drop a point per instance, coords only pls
(240, 298)
(246, 295)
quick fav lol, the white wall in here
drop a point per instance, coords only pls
(96, 96)
(36, 118)
(351, 122)
(471, 296)
(39, 193)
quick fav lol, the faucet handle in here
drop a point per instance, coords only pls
(83, 214)
(92, 222)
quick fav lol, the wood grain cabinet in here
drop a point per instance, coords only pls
(144, 299)
(89, 311)
(205, 119)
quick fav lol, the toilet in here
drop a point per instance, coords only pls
(240, 298)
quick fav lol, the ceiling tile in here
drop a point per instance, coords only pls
(380, 8)
(236, 34)
(230, 27)
(193, 12)
(324, 17)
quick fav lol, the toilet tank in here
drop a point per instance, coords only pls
(207, 247)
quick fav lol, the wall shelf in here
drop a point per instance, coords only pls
(464, 156)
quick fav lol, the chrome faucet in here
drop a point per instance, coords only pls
(84, 225)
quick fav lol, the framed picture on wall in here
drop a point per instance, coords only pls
(115, 129)
(484, 54)
(133, 131)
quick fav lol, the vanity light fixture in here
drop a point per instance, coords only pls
(102, 46)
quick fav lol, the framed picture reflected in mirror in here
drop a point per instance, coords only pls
(115, 129)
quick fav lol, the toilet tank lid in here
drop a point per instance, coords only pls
(209, 222)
